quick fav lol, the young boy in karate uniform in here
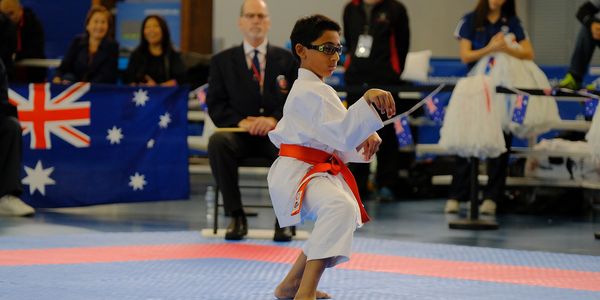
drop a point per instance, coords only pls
(316, 136)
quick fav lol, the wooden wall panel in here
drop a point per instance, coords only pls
(196, 26)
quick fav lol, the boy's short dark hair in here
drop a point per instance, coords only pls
(309, 29)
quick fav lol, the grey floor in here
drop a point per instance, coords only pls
(407, 220)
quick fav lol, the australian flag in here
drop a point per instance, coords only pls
(520, 109)
(590, 107)
(434, 106)
(87, 144)
(403, 133)
(201, 93)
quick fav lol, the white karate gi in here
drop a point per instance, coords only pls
(313, 116)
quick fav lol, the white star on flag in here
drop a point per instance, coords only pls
(164, 120)
(150, 144)
(114, 135)
(140, 97)
(38, 178)
(137, 181)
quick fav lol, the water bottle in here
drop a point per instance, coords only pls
(210, 197)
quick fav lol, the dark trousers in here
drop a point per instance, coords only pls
(225, 152)
(497, 169)
(10, 156)
(388, 164)
(389, 159)
(582, 54)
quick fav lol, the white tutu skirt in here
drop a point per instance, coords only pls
(472, 127)
(507, 71)
(593, 136)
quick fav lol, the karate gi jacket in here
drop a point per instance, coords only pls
(314, 116)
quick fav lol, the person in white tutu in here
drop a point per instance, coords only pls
(480, 33)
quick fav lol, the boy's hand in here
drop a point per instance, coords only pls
(369, 146)
(383, 100)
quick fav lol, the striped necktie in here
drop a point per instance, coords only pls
(256, 67)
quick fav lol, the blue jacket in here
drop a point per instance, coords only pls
(103, 67)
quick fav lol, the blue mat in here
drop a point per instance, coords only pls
(216, 278)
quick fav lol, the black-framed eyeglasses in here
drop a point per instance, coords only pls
(251, 16)
(328, 49)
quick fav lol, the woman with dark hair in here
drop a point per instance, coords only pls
(154, 61)
(485, 31)
(92, 56)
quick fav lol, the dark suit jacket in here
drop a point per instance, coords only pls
(162, 68)
(8, 43)
(6, 109)
(232, 93)
(103, 68)
(31, 35)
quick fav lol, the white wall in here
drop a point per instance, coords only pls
(554, 29)
(432, 22)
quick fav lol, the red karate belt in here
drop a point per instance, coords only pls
(322, 162)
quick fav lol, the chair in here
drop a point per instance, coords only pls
(252, 162)
(201, 143)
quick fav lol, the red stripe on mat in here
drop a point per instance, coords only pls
(545, 277)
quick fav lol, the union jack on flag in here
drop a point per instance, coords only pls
(201, 93)
(431, 107)
(434, 107)
(41, 115)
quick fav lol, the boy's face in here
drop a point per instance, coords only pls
(320, 63)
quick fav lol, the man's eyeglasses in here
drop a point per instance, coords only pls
(251, 16)
(328, 49)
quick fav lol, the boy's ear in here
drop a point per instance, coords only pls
(300, 50)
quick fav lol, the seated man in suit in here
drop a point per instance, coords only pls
(30, 34)
(10, 156)
(248, 87)
(8, 44)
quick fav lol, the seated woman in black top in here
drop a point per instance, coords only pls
(154, 61)
(92, 56)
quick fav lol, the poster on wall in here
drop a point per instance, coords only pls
(131, 13)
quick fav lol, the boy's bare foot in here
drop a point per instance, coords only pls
(323, 295)
(288, 291)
